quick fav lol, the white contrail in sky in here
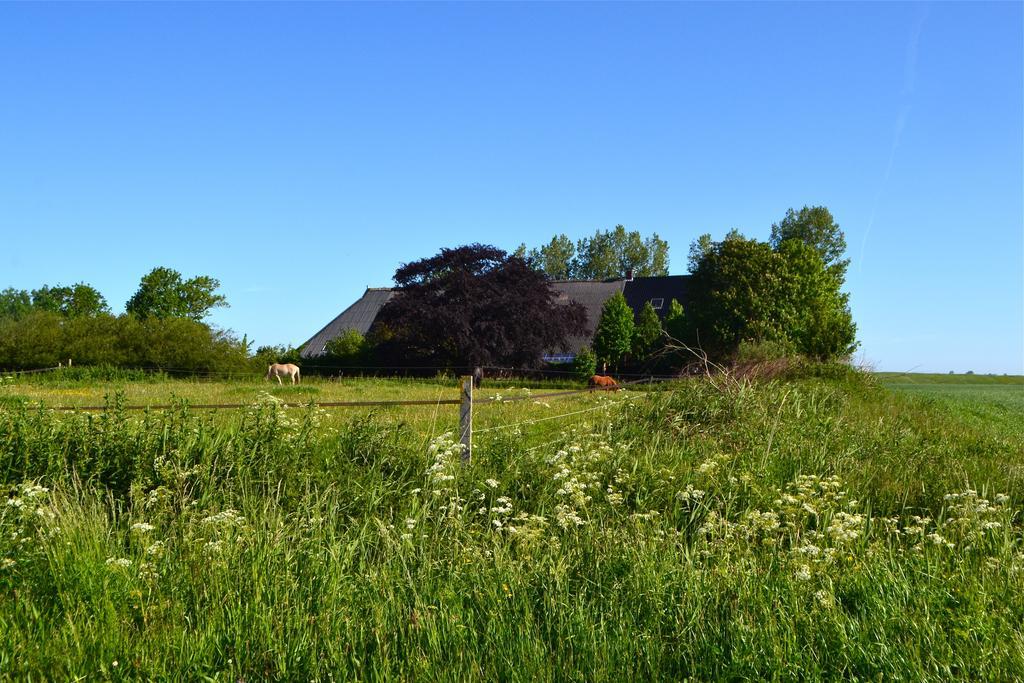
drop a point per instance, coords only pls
(909, 77)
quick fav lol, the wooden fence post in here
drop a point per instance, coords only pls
(466, 419)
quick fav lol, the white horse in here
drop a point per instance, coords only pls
(283, 369)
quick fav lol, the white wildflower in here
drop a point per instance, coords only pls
(32, 491)
(690, 494)
(147, 570)
(46, 513)
(228, 518)
(567, 517)
(708, 466)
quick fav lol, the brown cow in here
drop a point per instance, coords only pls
(602, 382)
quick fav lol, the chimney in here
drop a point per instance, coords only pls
(629, 275)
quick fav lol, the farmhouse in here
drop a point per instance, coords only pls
(591, 294)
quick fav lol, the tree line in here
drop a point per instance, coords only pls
(478, 305)
(608, 254)
(782, 297)
(162, 327)
(162, 293)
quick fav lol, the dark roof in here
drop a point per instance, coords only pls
(667, 287)
(359, 316)
(592, 294)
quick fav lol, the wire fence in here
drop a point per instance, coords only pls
(548, 418)
(383, 371)
(467, 402)
(646, 379)
(30, 372)
(282, 404)
(251, 374)
(322, 404)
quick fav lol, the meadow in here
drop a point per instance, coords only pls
(981, 392)
(706, 529)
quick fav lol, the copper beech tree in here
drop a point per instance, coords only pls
(473, 305)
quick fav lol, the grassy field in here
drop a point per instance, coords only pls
(426, 421)
(810, 529)
(985, 391)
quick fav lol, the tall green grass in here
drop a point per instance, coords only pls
(818, 529)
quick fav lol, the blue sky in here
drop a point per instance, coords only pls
(300, 152)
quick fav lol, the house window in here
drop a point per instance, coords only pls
(656, 304)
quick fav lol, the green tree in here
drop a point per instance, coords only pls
(646, 332)
(657, 263)
(699, 248)
(97, 340)
(615, 253)
(675, 321)
(614, 335)
(14, 303)
(163, 293)
(585, 364)
(78, 300)
(815, 313)
(730, 296)
(595, 258)
(35, 340)
(744, 290)
(815, 227)
(555, 258)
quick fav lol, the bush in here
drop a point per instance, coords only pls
(759, 352)
(44, 339)
(349, 350)
(83, 374)
(267, 355)
(33, 341)
(777, 360)
(585, 364)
